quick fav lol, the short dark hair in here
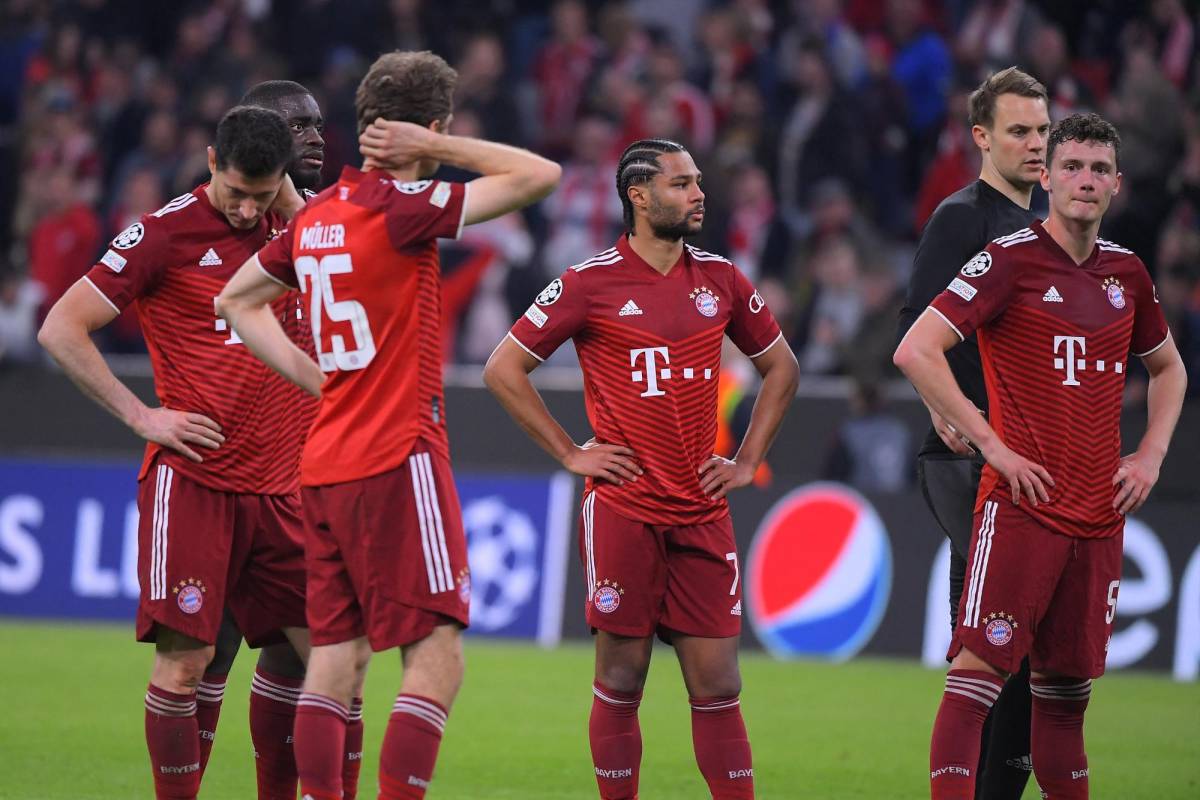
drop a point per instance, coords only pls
(407, 86)
(1084, 128)
(982, 102)
(268, 93)
(638, 165)
(256, 141)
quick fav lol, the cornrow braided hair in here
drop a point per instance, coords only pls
(638, 165)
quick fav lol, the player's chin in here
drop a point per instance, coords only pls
(305, 177)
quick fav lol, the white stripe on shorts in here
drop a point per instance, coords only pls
(438, 529)
(589, 511)
(418, 499)
(158, 544)
(983, 548)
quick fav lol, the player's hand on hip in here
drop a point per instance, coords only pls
(1134, 479)
(950, 435)
(1024, 477)
(179, 429)
(610, 462)
(719, 475)
(389, 143)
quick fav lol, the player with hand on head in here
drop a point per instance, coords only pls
(1057, 312)
(1009, 124)
(218, 489)
(648, 318)
(386, 551)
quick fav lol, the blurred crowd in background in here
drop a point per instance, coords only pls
(827, 131)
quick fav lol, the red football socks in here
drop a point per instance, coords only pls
(173, 739)
(616, 741)
(320, 746)
(410, 747)
(209, 695)
(273, 701)
(954, 751)
(722, 747)
(1059, 761)
(354, 746)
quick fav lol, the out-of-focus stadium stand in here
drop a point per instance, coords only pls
(828, 130)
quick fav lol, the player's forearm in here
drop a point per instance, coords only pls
(929, 372)
(516, 394)
(76, 353)
(774, 398)
(261, 332)
(490, 158)
(1164, 402)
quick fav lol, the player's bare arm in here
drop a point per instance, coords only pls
(921, 356)
(66, 335)
(507, 376)
(1138, 472)
(245, 303)
(288, 202)
(512, 178)
(780, 377)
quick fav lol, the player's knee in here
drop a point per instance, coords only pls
(628, 678)
(229, 641)
(283, 660)
(181, 671)
(968, 660)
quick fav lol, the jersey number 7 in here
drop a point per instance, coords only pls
(324, 305)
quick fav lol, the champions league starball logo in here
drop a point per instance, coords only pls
(502, 548)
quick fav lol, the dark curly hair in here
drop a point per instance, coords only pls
(1084, 128)
(415, 87)
(638, 165)
(256, 141)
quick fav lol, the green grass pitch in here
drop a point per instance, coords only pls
(72, 725)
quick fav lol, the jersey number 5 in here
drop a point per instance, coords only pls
(320, 288)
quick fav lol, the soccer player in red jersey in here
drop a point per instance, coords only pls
(1057, 312)
(648, 318)
(386, 551)
(218, 491)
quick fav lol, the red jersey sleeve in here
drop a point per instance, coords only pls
(133, 264)
(752, 326)
(424, 210)
(978, 294)
(1150, 330)
(275, 259)
(556, 314)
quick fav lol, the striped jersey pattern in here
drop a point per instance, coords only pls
(1055, 363)
(171, 265)
(364, 256)
(650, 379)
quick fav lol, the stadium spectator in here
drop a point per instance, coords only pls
(66, 238)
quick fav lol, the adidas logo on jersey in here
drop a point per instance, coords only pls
(211, 259)
(630, 309)
(736, 611)
(1052, 296)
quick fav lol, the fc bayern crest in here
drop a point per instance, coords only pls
(706, 301)
(607, 596)
(999, 629)
(189, 595)
(1115, 292)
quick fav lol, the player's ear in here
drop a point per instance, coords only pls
(637, 195)
(981, 136)
(212, 160)
(1045, 178)
(1117, 186)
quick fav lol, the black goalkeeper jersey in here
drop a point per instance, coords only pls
(962, 225)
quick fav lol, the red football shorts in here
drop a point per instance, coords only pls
(387, 555)
(1034, 592)
(200, 550)
(643, 578)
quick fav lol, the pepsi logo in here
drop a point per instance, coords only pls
(819, 573)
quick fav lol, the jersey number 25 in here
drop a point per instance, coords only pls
(320, 288)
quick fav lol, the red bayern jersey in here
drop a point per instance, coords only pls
(364, 255)
(650, 348)
(171, 265)
(1055, 339)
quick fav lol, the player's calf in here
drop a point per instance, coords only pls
(954, 751)
(1059, 759)
(172, 733)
